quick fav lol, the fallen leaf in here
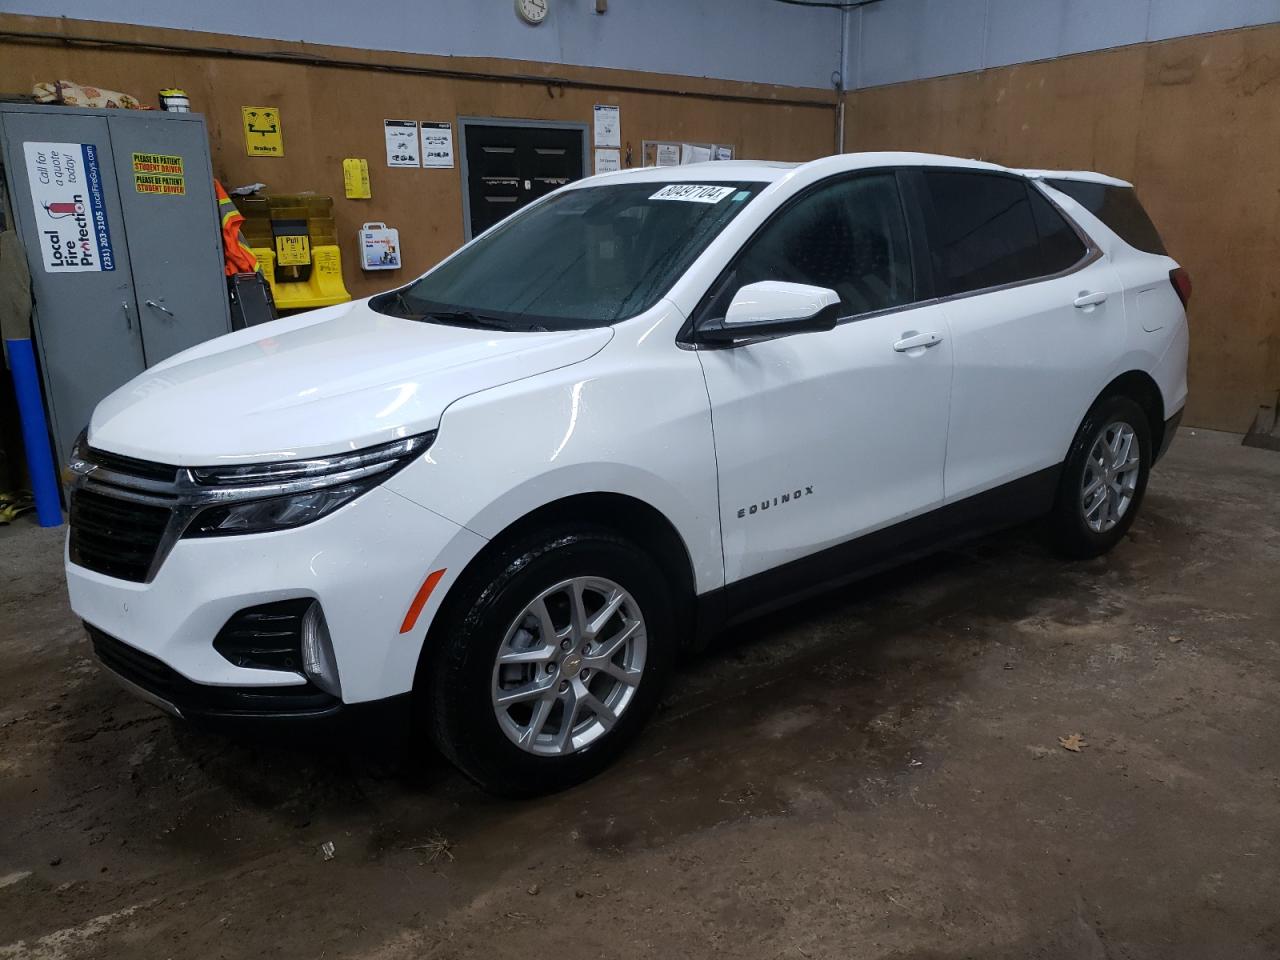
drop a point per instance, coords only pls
(1074, 742)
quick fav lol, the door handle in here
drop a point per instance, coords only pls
(128, 317)
(917, 340)
(156, 306)
(1087, 299)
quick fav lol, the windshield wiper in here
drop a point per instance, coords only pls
(401, 302)
(465, 318)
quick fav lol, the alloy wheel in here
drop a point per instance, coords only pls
(569, 666)
(1110, 477)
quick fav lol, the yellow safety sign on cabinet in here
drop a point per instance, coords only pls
(262, 134)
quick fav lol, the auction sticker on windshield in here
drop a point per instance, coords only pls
(693, 192)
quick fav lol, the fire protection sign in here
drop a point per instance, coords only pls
(70, 207)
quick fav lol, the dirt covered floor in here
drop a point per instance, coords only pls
(878, 774)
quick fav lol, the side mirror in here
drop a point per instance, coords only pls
(772, 308)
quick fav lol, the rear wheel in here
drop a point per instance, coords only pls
(1104, 478)
(549, 660)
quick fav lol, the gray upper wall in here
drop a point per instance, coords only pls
(897, 40)
(753, 40)
(762, 41)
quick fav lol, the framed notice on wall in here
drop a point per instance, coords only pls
(437, 143)
(402, 142)
(672, 153)
(608, 126)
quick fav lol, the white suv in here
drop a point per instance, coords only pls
(651, 404)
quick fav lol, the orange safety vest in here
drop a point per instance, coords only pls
(236, 253)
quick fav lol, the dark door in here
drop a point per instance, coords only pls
(509, 167)
(171, 219)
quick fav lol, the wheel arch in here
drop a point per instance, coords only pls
(1141, 387)
(626, 515)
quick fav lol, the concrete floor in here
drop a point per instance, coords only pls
(876, 775)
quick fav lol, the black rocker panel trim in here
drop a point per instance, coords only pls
(1006, 505)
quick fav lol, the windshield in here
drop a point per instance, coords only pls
(582, 258)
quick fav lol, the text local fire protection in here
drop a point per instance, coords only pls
(66, 196)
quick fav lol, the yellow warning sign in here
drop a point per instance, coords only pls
(262, 134)
(159, 173)
(355, 177)
(293, 250)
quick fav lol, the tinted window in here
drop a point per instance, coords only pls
(1060, 245)
(1119, 209)
(849, 236)
(985, 230)
(582, 258)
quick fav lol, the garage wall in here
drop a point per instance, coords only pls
(894, 41)
(1193, 122)
(331, 112)
(756, 40)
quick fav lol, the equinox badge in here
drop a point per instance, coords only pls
(775, 502)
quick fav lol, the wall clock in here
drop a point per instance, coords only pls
(532, 11)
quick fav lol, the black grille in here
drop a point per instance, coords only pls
(198, 699)
(114, 536)
(136, 468)
(267, 637)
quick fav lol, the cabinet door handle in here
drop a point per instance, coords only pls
(156, 306)
(128, 317)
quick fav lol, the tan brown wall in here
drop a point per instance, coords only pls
(329, 113)
(1194, 123)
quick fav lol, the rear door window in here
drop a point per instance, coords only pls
(1117, 207)
(985, 230)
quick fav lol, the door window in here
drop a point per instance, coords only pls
(849, 236)
(985, 230)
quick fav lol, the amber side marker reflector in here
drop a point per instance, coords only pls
(420, 600)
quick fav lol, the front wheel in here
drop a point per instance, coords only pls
(549, 660)
(1103, 478)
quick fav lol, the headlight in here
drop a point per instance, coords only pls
(255, 498)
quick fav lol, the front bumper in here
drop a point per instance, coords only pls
(364, 563)
(159, 684)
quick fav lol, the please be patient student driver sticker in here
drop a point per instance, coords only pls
(159, 173)
(693, 193)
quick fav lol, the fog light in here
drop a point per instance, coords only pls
(318, 662)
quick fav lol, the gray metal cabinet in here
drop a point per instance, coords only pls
(118, 217)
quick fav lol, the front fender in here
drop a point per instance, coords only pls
(633, 421)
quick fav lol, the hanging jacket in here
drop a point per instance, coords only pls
(236, 253)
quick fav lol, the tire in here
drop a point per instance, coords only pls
(1080, 532)
(489, 613)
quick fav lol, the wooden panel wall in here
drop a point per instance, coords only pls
(1194, 123)
(329, 113)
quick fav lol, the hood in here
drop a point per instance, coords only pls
(327, 381)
